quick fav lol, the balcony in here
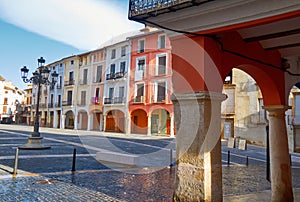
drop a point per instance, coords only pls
(115, 100)
(95, 100)
(139, 99)
(108, 100)
(160, 99)
(110, 76)
(69, 83)
(83, 82)
(57, 104)
(67, 103)
(81, 103)
(117, 75)
(142, 9)
(50, 105)
(119, 100)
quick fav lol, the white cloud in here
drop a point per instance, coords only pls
(84, 24)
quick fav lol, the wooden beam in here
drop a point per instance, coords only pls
(274, 35)
(283, 46)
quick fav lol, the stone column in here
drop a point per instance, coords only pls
(63, 121)
(104, 123)
(55, 119)
(281, 179)
(76, 121)
(172, 132)
(149, 126)
(198, 146)
(90, 122)
(128, 124)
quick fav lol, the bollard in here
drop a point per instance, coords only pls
(74, 160)
(16, 162)
(171, 158)
(247, 161)
(228, 158)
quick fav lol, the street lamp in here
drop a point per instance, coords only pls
(39, 77)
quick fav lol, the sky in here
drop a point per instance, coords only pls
(55, 29)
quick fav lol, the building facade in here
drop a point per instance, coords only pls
(10, 98)
(150, 106)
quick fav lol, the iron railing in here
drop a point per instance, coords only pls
(147, 8)
(115, 100)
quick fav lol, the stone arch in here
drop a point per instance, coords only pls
(82, 117)
(97, 119)
(115, 121)
(70, 119)
(160, 121)
(139, 120)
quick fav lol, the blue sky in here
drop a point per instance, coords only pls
(55, 29)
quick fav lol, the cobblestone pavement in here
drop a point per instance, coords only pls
(45, 175)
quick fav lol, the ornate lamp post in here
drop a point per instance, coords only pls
(39, 77)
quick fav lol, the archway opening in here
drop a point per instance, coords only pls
(69, 123)
(139, 121)
(83, 120)
(115, 121)
(242, 112)
(160, 122)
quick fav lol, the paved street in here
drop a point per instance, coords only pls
(46, 175)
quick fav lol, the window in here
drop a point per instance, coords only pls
(141, 64)
(261, 110)
(85, 75)
(99, 74)
(123, 51)
(71, 76)
(83, 98)
(121, 91)
(112, 68)
(69, 98)
(111, 93)
(122, 66)
(97, 93)
(141, 46)
(72, 62)
(113, 54)
(140, 89)
(5, 101)
(161, 91)
(161, 41)
(161, 69)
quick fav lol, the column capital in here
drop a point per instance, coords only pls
(201, 95)
(275, 109)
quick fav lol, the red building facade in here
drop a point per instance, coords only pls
(150, 106)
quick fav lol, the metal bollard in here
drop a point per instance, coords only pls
(16, 162)
(74, 160)
(228, 158)
(171, 158)
(247, 161)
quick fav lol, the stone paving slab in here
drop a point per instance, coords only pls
(44, 189)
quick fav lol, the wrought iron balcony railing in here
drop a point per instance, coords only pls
(139, 99)
(67, 103)
(57, 104)
(115, 100)
(95, 100)
(117, 75)
(140, 9)
(69, 83)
